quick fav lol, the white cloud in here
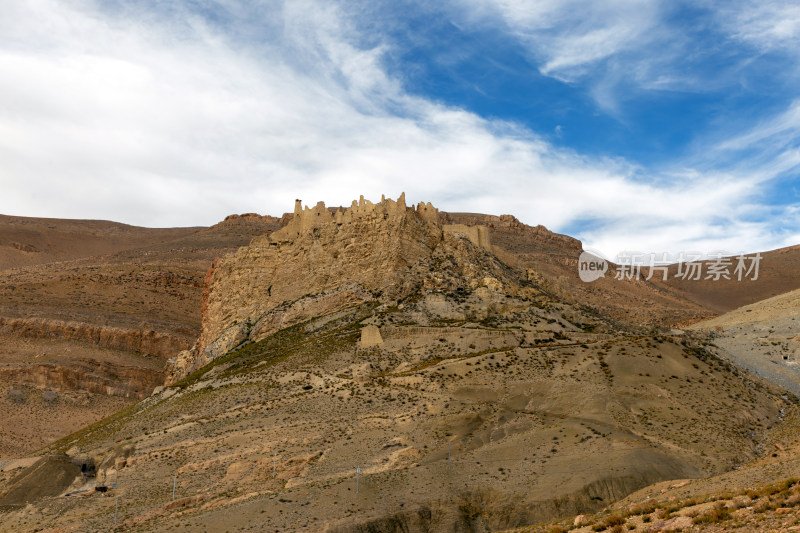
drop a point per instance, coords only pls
(619, 49)
(570, 36)
(169, 121)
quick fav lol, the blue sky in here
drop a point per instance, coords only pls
(643, 125)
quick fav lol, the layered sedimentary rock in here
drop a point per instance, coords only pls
(98, 377)
(324, 260)
(144, 340)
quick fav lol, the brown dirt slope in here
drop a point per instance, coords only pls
(58, 469)
(539, 419)
(26, 241)
(95, 307)
(763, 495)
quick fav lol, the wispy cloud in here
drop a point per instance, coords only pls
(767, 25)
(780, 132)
(570, 36)
(619, 49)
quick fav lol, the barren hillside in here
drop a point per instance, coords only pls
(387, 368)
(93, 309)
(763, 337)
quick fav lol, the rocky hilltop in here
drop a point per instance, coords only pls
(320, 260)
(325, 260)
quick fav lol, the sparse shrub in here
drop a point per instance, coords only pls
(16, 395)
(644, 508)
(763, 506)
(614, 520)
(694, 501)
(50, 396)
(609, 522)
(719, 513)
(793, 500)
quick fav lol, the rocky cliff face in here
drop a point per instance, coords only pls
(326, 260)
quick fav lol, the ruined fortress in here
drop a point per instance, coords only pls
(305, 218)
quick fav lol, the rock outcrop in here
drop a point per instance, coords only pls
(324, 260)
(514, 236)
(319, 258)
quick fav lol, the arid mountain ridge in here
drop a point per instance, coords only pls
(389, 336)
(139, 289)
